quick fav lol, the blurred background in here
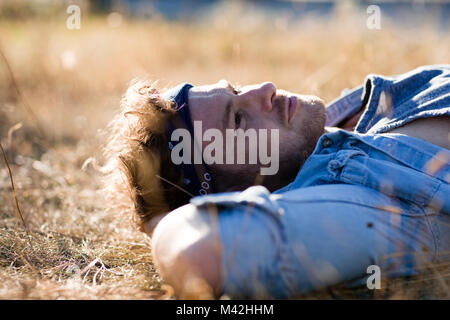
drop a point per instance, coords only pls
(61, 79)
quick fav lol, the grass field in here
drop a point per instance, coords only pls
(59, 88)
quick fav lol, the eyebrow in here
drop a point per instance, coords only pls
(226, 118)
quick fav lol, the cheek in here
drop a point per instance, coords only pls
(208, 118)
(259, 122)
(290, 141)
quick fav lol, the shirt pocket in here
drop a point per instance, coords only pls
(414, 189)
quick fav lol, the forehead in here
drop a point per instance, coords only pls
(210, 89)
(209, 96)
(208, 103)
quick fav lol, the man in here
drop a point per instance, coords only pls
(361, 183)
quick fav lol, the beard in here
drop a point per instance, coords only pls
(298, 145)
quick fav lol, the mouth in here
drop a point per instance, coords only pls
(292, 105)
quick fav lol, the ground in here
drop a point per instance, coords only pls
(59, 88)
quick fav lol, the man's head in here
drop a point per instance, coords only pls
(140, 162)
(299, 120)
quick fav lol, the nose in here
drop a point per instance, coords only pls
(263, 95)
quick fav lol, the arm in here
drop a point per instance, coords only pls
(187, 252)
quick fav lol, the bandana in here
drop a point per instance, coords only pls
(196, 178)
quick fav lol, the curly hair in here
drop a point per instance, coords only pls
(138, 165)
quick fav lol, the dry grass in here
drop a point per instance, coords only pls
(73, 80)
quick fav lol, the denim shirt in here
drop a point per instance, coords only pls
(391, 102)
(362, 198)
(352, 180)
(397, 165)
(414, 172)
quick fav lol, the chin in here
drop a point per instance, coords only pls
(316, 103)
(309, 126)
(315, 110)
(310, 119)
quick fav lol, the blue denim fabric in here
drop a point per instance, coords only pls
(391, 102)
(362, 198)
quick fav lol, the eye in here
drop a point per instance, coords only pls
(237, 119)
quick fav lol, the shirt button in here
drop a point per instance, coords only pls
(327, 142)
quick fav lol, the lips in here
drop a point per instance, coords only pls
(292, 107)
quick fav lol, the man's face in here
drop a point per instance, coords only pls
(299, 120)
